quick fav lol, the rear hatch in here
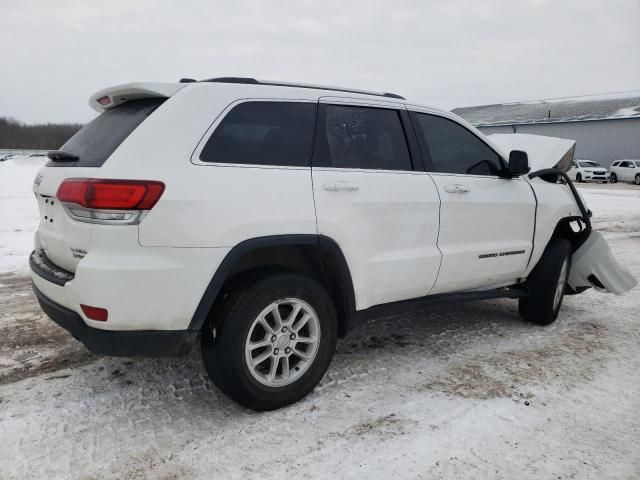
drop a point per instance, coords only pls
(62, 240)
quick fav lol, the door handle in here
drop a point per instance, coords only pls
(456, 188)
(340, 187)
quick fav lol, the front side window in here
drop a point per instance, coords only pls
(361, 137)
(264, 133)
(454, 149)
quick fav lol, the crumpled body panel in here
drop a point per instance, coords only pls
(593, 265)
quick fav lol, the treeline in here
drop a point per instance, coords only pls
(46, 136)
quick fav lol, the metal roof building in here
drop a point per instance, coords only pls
(605, 127)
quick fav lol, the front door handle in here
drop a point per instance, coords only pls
(340, 187)
(457, 188)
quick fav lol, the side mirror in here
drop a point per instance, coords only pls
(518, 163)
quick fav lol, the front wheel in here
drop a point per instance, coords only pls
(547, 284)
(637, 179)
(613, 178)
(273, 343)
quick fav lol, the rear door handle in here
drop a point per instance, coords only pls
(340, 187)
(456, 188)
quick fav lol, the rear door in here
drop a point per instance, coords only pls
(373, 201)
(626, 171)
(486, 222)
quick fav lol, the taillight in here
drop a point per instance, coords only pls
(109, 201)
(95, 313)
(104, 101)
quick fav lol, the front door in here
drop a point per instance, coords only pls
(486, 222)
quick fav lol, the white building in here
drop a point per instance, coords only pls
(605, 127)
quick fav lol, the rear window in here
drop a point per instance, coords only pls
(264, 133)
(361, 137)
(97, 140)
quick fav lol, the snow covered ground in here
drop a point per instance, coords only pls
(463, 391)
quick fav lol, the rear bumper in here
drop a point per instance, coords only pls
(133, 343)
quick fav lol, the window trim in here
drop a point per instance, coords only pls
(414, 157)
(197, 151)
(427, 161)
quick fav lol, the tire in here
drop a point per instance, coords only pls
(227, 356)
(547, 284)
(613, 178)
(579, 178)
(637, 179)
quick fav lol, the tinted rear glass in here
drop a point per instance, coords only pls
(361, 137)
(264, 133)
(97, 140)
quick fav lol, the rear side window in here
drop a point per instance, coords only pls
(264, 133)
(361, 137)
(97, 140)
(454, 149)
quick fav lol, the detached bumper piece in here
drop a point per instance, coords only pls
(138, 343)
(593, 265)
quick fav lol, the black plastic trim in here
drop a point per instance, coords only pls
(236, 253)
(457, 297)
(412, 142)
(136, 343)
(45, 268)
(586, 214)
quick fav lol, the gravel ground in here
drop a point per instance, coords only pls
(464, 391)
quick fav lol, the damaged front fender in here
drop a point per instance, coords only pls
(593, 265)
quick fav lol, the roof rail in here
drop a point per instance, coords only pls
(253, 81)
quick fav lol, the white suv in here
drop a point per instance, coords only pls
(626, 171)
(264, 217)
(588, 171)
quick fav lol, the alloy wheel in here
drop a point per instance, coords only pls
(282, 342)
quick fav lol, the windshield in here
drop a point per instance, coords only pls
(588, 164)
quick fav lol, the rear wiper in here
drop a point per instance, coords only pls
(59, 155)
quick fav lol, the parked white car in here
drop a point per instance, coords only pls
(262, 218)
(625, 171)
(588, 171)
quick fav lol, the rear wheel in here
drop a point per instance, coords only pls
(579, 178)
(547, 284)
(613, 178)
(273, 343)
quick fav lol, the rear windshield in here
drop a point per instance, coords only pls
(97, 140)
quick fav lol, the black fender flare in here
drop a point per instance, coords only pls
(236, 253)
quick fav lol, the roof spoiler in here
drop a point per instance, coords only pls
(113, 96)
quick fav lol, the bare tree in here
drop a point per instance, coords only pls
(49, 136)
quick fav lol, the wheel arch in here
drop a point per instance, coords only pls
(316, 255)
(565, 230)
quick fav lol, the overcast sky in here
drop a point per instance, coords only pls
(54, 54)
